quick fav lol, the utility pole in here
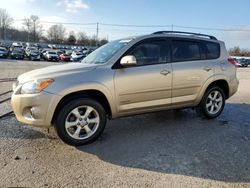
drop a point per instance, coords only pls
(34, 31)
(97, 33)
(172, 27)
(28, 25)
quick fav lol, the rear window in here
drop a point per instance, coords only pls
(213, 50)
(185, 51)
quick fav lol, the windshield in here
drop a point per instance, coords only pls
(52, 53)
(104, 53)
(17, 51)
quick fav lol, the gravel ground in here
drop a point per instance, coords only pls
(164, 149)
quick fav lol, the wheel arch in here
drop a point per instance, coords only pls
(90, 93)
(220, 82)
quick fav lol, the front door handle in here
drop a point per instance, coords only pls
(207, 69)
(165, 72)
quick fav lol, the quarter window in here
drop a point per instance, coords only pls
(185, 51)
(213, 50)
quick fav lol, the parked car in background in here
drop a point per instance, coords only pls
(34, 55)
(17, 53)
(69, 52)
(60, 52)
(241, 62)
(43, 54)
(51, 56)
(77, 56)
(16, 46)
(28, 50)
(89, 51)
(64, 57)
(3, 52)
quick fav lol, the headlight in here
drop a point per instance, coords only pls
(35, 86)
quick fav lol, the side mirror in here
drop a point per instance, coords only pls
(128, 60)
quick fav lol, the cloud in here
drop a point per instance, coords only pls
(23, 1)
(73, 6)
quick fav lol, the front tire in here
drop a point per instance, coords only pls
(213, 102)
(80, 121)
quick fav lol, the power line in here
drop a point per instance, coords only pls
(211, 29)
(172, 26)
(63, 23)
(123, 25)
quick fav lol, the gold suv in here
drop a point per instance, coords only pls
(163, 70)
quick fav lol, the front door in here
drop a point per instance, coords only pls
(146, 86)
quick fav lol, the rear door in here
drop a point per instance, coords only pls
(190, 70)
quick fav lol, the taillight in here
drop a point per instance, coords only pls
(232, 61)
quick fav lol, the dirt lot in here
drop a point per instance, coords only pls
(165, 149)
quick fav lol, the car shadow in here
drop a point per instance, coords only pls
(12, 129)
(180, 142)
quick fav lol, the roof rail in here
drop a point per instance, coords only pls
(187, 33)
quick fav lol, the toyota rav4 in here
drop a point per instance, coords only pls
(159, 71)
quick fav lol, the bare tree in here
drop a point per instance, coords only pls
(33, 27)
(103, 41)
(5, 22)
(82, 38)
(56, 33)
(71, 38)
(237, 51)
(27, 25)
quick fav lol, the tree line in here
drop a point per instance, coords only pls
(237, 51)
(32, 31)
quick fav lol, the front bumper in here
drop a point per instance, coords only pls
(35, 58)
(34, 109)
(53, 58)
(17, 56)
(3, 55)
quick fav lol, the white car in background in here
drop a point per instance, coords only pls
(51, 56)
(77, 56)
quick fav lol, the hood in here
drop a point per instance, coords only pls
(55, 71)
(76, 56)
(34, 54)
(16, 53)
(53, 55)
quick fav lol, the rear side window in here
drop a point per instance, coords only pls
(213, 50)
(185, 51)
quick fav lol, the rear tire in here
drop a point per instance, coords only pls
(213, 102)
(80, 121)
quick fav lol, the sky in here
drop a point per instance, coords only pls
(210, 16)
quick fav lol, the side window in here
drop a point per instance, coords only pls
(185, 50)
(213, 50)
(151, 52)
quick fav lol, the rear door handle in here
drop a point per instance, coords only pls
(165, 72)
(207, 69)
